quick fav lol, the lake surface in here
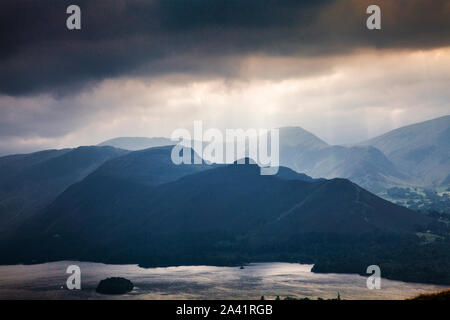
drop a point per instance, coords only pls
(48, 281)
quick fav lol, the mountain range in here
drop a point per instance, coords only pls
(30, 182)
(421, 151)
(415, 155)
(364, 165)
(102, 203)
(141, 199)
(137, 143)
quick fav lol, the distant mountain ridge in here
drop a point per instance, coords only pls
(137, 143)
(414, 155)
(421, 150)
(101, 217)
(366, 166)
(299, 137)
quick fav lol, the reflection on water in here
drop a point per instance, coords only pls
(47, 281)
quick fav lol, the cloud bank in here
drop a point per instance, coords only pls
(147, 67)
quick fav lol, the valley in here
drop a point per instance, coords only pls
(139, 207)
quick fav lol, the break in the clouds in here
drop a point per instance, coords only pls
(147, 67)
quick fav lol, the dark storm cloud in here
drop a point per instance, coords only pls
(138, 37)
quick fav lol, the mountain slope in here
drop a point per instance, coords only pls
(304, 152)
(120, 219)
(422, 150)
(118, 188)
(236, 198)
(366, 166)
(151, 166)
(137, 143)
(299, 137)
(30, 182)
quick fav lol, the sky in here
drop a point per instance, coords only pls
(146, 68)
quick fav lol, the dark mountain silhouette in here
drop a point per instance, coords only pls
(421, 150)
(151, 166)
(30, 182)
(118, 188)
(115, 216)
(289, 174)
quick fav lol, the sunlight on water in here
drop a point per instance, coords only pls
(47, 281)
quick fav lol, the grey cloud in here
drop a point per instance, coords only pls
(158, 37)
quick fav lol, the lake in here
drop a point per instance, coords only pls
(47, 281)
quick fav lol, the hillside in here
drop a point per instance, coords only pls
(421, 150)
(137, 143)
(436, 296)
(30, 182)
(110, 213)
(366, 166)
